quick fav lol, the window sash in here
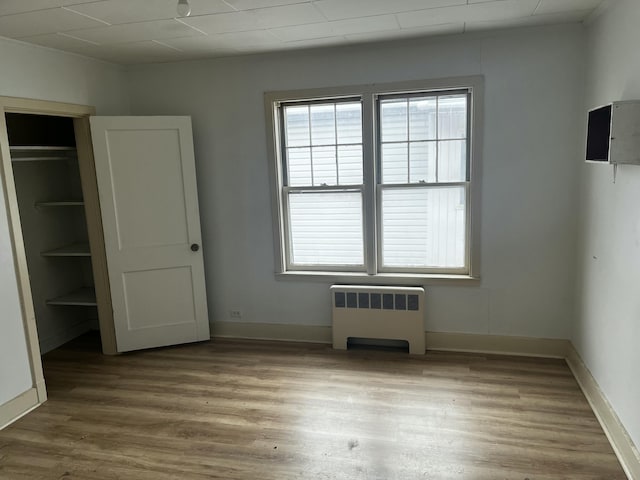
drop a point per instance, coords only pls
(380, 187)
(381, 268)
(287, 228)
(284, 149)
(379, 97)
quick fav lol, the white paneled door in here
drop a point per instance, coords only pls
(148, 197)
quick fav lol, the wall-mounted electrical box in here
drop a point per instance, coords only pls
(613, 133)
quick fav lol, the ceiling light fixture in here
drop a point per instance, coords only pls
(183, 9)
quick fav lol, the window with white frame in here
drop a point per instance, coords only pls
(375, 180)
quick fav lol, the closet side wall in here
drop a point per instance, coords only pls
(15, 372)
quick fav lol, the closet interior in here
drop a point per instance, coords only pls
(54, 226)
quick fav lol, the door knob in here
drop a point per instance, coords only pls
(195, 247)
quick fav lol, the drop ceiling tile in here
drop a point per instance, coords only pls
(253, 4)
(128, 11)
(204, 45)
(245, 39)
(300, 45)
(336, 28)
(247, 42)
(223, 22)
(256, 19)
(136, 32)
(226, 42)
(300, 14)
(555, 6)
(43, 21)
(341, 9)
(136, 52)
(61, 41)
(534, 20)
(496, 10)
(447, 28)
(316, 42)
(9, 7)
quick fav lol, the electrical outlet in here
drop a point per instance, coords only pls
(235, 313)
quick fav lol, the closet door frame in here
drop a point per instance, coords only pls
(80, 115)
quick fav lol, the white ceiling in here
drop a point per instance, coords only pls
(142, 31)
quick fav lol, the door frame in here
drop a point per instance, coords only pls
(80, 115)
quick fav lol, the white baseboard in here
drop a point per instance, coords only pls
(622, 444)
(18, 407)
(54, 341)
(272, 331)
(497, 344)
(457, 342)
(475, 343)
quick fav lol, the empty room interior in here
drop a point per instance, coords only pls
(323, 239)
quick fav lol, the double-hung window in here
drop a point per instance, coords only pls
(377, 180)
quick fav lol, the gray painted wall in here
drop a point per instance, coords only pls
(607, 328)
(533, 113)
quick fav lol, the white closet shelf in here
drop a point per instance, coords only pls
(84, 297)
(40, 148)
(41, 153)
(72, 250)
(61, 203)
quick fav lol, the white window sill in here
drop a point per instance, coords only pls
(381, 278)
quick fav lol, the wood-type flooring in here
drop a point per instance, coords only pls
(231, 409)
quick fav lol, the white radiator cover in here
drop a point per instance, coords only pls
(390, 313)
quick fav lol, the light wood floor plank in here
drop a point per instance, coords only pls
(239, 410)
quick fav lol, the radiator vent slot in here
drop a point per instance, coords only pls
(384, 313)
(376, 301)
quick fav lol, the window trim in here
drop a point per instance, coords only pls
(369, 94)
